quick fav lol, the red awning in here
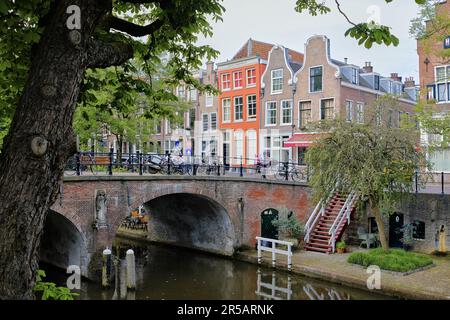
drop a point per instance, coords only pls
(301, 140)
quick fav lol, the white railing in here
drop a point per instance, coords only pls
(274, 250)
(319, 211)
(275, 291)
(312, 220)
(344, 213)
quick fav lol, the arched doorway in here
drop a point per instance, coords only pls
(62, 244)
(191, 220)
(395, 230)
(268, 230)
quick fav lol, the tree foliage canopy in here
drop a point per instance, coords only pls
(376, 162)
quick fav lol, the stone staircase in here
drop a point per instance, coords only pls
(327, 224)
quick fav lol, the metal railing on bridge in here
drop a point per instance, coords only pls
(111, 163)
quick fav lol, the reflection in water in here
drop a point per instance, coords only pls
(275, 291)
(174, 273)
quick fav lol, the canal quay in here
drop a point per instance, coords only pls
(197, 238)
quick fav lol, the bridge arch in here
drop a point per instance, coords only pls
(63, 244)
(191, 220)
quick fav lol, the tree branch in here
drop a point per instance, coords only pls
(343, 13)
(134, 29)
(103, 55)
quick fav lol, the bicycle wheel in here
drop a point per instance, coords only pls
(297, 175)
(280, 175)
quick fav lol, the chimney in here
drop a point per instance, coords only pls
(346, 60)
(410, 83)
(395, 77)
(368, 67)
(210, 72)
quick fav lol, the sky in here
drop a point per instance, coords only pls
(276, 21)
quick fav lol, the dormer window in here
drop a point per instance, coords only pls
(377, 82)
(355, 75)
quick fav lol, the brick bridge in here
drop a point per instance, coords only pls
(215, 214)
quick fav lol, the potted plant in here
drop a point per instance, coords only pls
(407, 239)
(341, 246)
(289, 228)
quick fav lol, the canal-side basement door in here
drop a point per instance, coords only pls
(268, 230)
(395, 233)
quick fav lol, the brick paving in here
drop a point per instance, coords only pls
(432, 283)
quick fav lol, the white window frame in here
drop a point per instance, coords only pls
(203, 122)
(211, 122)
(355, 76)
(334, 107)
(267, 124)
(282, 123)
(309, 79)
(234, 79)
(439, 82)
(347, 104)
(358, 113)
(209, 100)
(222, 76)
(242, 109)
(300, 112)
(247, 77)
(253, 117)
(272, 91)
(229, 110)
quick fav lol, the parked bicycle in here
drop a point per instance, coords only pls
(289, 170)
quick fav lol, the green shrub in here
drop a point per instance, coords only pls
(393, 259)
(49, 290)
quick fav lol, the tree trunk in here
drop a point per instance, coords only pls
(379, 220)
(41, 139)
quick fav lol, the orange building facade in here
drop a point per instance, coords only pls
(239, 108)
(239, 103)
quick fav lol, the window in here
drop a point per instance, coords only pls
(205, 122)
(418, 230)
(226, 81)
(271, 113)
(267, 146)
(390, 87)
(391, 119)
(301, 156)
(442, 92)
(251, 77)
(157, 126)
(237, 77)
(360, 112)
(239, 138)
(277, 81)
(238, 108)
(355, 75)
(286, 112)
(327, 109)
(192, 118)
(209, 100)
(377, 82)
(251, 106)
(441, 74)
(213, 148)
(180, 92)
(304, 113)
(315, 79)
(193, 94)
(251, 146)
(213, 116)
(226, 112)
(349, 111)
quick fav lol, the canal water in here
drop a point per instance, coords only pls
(174, 273)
